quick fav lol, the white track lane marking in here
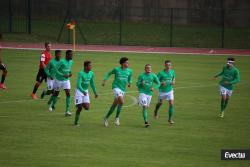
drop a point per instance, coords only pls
(130, 51)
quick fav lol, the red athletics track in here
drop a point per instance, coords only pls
(133, 49)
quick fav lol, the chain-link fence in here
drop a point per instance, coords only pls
(114, 22)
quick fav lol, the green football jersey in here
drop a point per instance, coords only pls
(166, 77)
(64, 68)
(52, 67)
(148, 80)
(122, 77)
(84, 80)
(231, 75)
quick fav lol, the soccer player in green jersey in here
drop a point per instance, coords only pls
(84, 79)
(123, 77)
(145, 86)
(62, 81)
(167, 79)
(50, 71)
(230, 76)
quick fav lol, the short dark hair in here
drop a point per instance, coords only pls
(86, 63)
(123, 60)
(147, 65)
(230, 59)
(57, 51)
(167, 61)
(46, 44)
(68, 52)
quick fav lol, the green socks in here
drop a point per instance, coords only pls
(119, 109)
(77, 117)
(111, 110)
(67, 103)
(50, 100)
(53, 100)
(223, 105)
(145, 114)
(170, 112)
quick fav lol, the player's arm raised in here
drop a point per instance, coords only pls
(220, 74)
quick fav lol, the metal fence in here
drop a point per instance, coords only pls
(116, 23)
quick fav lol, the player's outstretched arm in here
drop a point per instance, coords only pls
(220, 74)
(106, 77)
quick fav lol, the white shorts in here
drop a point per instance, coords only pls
(225, 91)
(118, 92)
(61, 84)
(166, 95)
(144, 100)
(80, 98)
(50, 84)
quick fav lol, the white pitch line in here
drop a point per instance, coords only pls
(144, 52)
(132, 97)
(177, 88)
(129, 105)
(184, 87)
(134, 101)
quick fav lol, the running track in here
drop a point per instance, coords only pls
(134, 49)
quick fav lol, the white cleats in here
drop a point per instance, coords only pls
(117, 122)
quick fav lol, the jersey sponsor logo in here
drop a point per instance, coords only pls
(86, 81)
(122, 76)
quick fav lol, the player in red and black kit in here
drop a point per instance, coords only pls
(3, 68)
(41, 75)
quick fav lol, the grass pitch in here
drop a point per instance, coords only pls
(31, 136)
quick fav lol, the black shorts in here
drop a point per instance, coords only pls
(3, 66)
(41, 75)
